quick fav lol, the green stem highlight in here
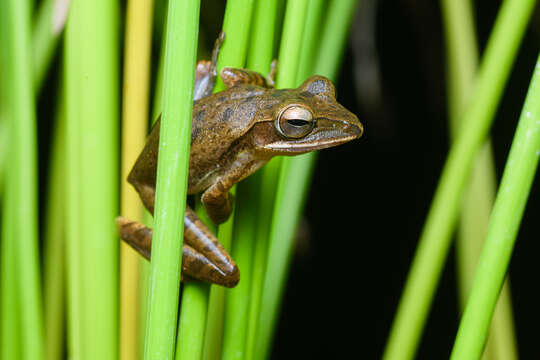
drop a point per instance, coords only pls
(435, 239)
(19, 225)
(462, 58)
(171, 183)
(503, 227)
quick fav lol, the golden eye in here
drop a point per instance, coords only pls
(295, 122)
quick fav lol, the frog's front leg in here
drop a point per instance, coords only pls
(216, 199)
(217, 202)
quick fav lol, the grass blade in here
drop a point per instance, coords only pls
(135, 122)
(20, 233)
(296, 171)
(181, 46)
(504, 223)
(462, 56)
(72, 186)
(54, 243)
(435, 239)
(46, 33)
(93, 84)
(289, 58)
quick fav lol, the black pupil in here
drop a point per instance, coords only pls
(298, 122)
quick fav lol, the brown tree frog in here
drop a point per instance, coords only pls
(235, 132)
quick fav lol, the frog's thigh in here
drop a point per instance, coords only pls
(194, 263)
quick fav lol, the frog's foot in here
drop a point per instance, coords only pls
(218, 205)
(206, 73)
(215, 53)
(271, 77)
(202, 258)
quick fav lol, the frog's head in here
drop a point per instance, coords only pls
(312, 119)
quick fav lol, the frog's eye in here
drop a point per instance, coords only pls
(295, 122)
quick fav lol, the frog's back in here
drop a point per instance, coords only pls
(218, 121)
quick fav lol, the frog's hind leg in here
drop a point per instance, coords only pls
(203, 257)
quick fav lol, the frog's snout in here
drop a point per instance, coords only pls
(355, 130)
(353, 127)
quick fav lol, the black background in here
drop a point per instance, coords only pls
(369, 198)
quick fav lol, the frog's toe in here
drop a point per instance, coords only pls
(196, 265)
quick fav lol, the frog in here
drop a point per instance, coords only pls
(234, 133)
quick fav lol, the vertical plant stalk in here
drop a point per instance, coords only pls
(462, 55)
(234, 54)
(436, 235)
(254, 215)
(71, 102)
(171, 189)
(289, 56)
(269, 175)
(296, 171)
(503, 227)
(54, 242)
(19, 230)
(48, 25)
(134, 119)
(236, 25)
(93, 82)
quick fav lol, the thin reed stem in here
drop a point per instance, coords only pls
(171, 183)
(503, 227)
(436, 235)
(462, 59)
(19, 225)
(289, 59)
(138, 41)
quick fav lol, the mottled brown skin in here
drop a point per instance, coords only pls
(234, 133)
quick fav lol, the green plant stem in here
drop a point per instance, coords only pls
(20, 202)
(45, 38)
(293, 183)
(72, 110)
(262, 203)
(96, 78)
(503, 227)
(238, 299)
(334, 37)
(462, 55)
(44, 42)
(165, 266)
(54, 243)
(4, 136)
(296, 171)
(10, 340)
(289, 58)
(268, 178)
(435, 239)
(192, 323)
(311, 41)
(236, 25)
(269, 175)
